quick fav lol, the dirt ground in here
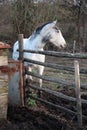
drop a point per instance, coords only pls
(22, 118)
(40, 117)
(27, 119)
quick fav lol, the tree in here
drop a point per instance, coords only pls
(22, 16)
(79, 8)
(27, 15)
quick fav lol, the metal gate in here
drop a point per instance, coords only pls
(15, 83)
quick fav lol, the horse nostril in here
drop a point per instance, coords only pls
(65, 45)
(61, 46)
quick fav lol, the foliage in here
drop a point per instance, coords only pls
(22, 13)
(24, 16)
(31, 102)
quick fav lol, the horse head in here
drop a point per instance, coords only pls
(51, 33)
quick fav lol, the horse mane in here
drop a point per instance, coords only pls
(38, 29)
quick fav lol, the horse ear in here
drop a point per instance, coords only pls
(55, 21)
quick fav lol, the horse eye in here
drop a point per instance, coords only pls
(56, 28)
(57, 31)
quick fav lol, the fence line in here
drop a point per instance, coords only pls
(62, 55)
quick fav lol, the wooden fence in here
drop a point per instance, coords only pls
(3, 80)
(76, 85)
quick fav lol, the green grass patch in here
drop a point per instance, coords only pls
(31, 102)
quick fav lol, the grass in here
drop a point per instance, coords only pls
(62, 74)
(31, 102)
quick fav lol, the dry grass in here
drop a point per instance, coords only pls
(62, 74)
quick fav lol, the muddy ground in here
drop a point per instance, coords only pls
(41, 117)
(28, 119)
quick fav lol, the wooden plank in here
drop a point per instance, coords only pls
(3, 91)
(3, 60)
(3, 105)
(3, 95)
(3, 83)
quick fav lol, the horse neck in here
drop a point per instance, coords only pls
(36, 43)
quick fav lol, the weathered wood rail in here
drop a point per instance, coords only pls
(59, 54)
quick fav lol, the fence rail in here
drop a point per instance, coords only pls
(59, 54)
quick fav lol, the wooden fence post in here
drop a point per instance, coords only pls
(78, 95)
(74, 46)
(20, 39)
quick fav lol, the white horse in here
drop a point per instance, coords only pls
(43, 34)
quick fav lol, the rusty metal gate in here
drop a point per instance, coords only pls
(15, 83)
